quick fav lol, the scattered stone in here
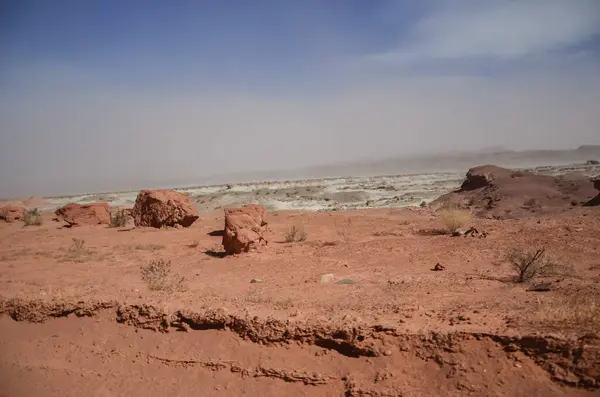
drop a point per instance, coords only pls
(438, 267)
(84, 214)
(543, 287)
(592, 162)
(387, 353)
(346, 281)
(12, 213)
(160, 208)
(327, 278)
(256, 281)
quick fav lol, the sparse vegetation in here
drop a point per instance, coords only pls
(454, 218)
(33, 217)
(118, 218)
(579, 312)
(76, 251)
(157, 274)
(343, 231)
(530, 264)
(295, 235)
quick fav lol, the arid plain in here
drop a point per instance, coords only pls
(367, 295)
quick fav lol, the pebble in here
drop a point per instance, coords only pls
(255, 281)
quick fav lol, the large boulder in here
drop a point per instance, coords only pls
(84, 214)
(500, 193)
(12, 213)
(245, 228)
(158, 208)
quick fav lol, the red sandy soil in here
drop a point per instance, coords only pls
(87, 324)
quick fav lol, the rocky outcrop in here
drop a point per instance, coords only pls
(482, 176)
(495, 192)
(596, 200)
(84, 214)
(158, 208)
(244, 229)
(12, 213)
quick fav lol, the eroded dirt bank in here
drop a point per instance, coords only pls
(139, 350)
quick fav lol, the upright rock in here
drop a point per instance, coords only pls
(12, 213)
(158, 208)
(596, 200)
(84, 214)
(244, 229)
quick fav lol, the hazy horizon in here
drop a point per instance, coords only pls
(122, 93)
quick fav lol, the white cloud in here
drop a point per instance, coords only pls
(497, 30)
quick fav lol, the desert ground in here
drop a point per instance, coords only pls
(372, 299)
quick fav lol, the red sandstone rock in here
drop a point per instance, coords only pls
(244, 229)
(12, 213)
(157, 208)
(84, 214)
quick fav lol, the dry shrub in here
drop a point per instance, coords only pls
(33, 217)
(295, 235)
(454, 218)
(118, 218)
(530, 264)
(157, 274)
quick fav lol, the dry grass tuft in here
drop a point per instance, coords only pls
(76, 251)
(343, 231)
(33, 217)
(157, 274)
(149, 247)
(578, 312)
(454, 218)
(295, 235)
(118, 219)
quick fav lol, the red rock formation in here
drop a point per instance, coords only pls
(12, 213)
(84, 214)
(157, 208)
(244, 229)
(496, 192)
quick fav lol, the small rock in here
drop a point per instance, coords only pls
(543, 287)
(256, 281)
(387, 353)
(346, 281)
(438, 267)
(327, 278)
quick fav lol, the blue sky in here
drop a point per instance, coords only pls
(170, 88)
